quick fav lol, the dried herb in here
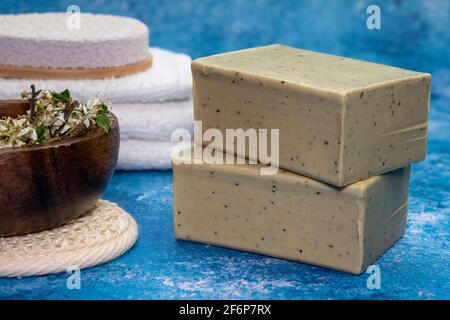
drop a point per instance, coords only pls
(102, 119)
(53, 116)
(32, 102)
(63, 96)
(40, 132)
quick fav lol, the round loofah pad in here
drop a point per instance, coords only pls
(101, 235)
(50, 40)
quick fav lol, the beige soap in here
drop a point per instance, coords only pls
(340, 120)
(290, 216)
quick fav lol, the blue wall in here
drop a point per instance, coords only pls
(414, 34)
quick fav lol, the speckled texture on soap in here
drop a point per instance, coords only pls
(340, 120)
(288, 215)
(45, 40)
(307, 68)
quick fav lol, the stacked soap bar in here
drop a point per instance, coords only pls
(340, 121)
(290, 216)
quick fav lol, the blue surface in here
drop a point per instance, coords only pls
(414, 35)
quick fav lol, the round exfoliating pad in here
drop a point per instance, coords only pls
(59, 40)
(103, 234)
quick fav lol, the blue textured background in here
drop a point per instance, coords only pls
(414, 35)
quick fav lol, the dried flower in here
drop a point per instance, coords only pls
(53, 116)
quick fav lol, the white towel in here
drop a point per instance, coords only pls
(169, 78)
(154, 121)
(145, 155)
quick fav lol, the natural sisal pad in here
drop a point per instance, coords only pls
(101, 235)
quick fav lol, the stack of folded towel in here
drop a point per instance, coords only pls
(149, 104)
(146, 129)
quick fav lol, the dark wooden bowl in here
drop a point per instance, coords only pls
(45, 186)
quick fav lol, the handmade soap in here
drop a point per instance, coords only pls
(340, 120)
(288, 215)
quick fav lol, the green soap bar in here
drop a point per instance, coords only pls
(288, 215)
(341, 120)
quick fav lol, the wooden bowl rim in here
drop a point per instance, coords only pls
(12, 101)
(92, 134)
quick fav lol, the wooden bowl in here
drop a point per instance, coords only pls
(46, 186)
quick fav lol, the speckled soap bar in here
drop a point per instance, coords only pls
(290, 216)
(341, 120)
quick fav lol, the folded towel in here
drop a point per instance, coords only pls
(145, 155)
(169, 78)
(153, 121)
